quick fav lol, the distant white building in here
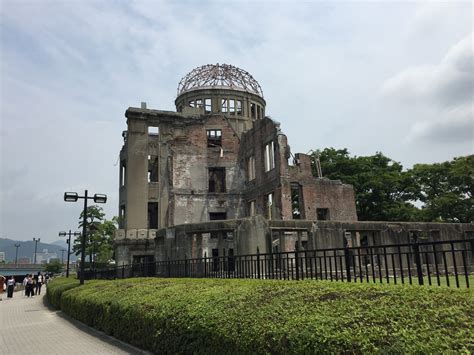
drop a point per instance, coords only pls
(45, 257)
(2, 256)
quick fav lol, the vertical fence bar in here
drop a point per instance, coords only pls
(409, 266)
(258, 263)
(428, 267)
(372, 264)
(454, 264)
(419, 271)
(325, 266)
(446, 268)
(297, 264)
(400, 261)
(466, 272)
(436, 264)
(359, 250)
(394, 268)
(379, 266)
(386, 264)
(347, 261)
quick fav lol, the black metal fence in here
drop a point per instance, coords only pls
(434, 263)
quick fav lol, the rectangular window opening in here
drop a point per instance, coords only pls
(198, 103)
(207, 105)
(217, 216)
(153, 130)
(239, 107)
(217, 180)
(252, 110)
(268, 201)
(269, 156)
(296, 201)
(152, 168)
(251, 168)
(232, 107)
(214, 137)
(123, 173)
(152, 215)
(322, 214)
(121, 221)
(224, 105)
(251, 206)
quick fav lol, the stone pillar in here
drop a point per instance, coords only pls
(136, 179)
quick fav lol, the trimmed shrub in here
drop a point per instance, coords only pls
(269, 316)
(56, 287)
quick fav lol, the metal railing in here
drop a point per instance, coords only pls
(434, 263)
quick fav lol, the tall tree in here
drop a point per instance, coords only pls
(445, 189)
(99, 235)
(383, 191)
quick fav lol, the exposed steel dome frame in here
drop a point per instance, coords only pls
(213, 76)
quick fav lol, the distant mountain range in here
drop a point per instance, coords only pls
(27, 249)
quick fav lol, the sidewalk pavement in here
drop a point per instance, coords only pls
(28, 326)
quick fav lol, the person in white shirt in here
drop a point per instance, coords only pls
(39, 283)
(10, 286)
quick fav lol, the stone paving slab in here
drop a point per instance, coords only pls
(28, 326)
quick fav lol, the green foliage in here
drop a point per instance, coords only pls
(385, 192)
(99, 245)
(268, 316)
(55, 266)
(56, 288)
(446, 190)
(382, 189)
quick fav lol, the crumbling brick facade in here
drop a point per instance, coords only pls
(218, 157)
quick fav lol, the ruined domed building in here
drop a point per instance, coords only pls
(217, 177)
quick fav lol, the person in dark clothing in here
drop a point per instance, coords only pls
(30, 286)
(10, 286)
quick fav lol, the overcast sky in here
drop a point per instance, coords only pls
(395, 77)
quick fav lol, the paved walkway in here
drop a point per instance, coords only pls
(29, 326)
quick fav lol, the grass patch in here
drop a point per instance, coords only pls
(270, 316)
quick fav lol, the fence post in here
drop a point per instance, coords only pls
(347, 259)
(258, 263)
(169, 267)
(297, 262)
(123, 269)
(185, 266)
(205, 264)
(419, 271)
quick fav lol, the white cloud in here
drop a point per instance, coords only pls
(442, 94)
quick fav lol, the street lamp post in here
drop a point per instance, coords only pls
(16, 253)
(73, 197)
(36, 240)
(63, 234)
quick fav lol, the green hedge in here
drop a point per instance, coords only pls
(263, 316)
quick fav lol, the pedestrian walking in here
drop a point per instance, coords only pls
(10, 286)
(2, 285)
(39, 283)
(25, 280)
(30, 286)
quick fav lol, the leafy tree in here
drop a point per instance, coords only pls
(383, 191)
(55, 266)
(445, 189)
(99, 235)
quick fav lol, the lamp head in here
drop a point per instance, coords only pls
(100, 198)
(70, 196)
